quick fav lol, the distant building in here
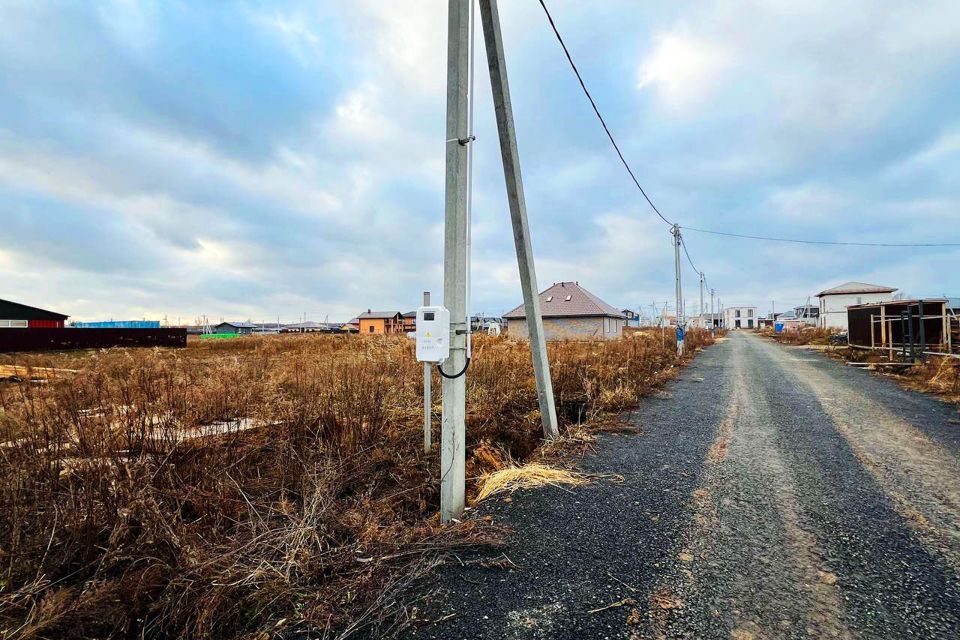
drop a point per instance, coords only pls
(310, 326)
(740, 317)
(243, 328)
(809, 313)
(380, 322)
(409, 321)
(705, 320)
(569, 312)
(631, 317)
(834, 301)
(14, 315)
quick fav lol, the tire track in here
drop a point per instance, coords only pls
(919, 476)
(747, 520)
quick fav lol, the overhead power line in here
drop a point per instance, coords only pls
(827, 242)
(633, 176)
(689, 259)
(596, 110)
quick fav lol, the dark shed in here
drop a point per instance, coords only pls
(21, 316)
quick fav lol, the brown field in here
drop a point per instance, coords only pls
(807, 335)
(239, 488)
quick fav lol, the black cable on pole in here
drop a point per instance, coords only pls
(826, 242)
(596, 110)
(453, 376)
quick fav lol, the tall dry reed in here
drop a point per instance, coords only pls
(214, 491)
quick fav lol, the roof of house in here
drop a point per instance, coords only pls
(239, 325)
(10, 310)
(378, 315)
(904, 301)
(856, 287)
(310, 324)
(567, 300)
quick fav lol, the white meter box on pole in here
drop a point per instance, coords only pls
(433, 334)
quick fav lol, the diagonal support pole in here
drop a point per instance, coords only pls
(493, 40)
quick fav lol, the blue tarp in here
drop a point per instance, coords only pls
(118, 324)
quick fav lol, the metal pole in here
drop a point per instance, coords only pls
(427, 394)
(452, 455)
(490, 17)
(679, 292)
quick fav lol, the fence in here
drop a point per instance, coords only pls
(12, 340)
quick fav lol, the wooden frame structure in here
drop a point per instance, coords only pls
(912, 328)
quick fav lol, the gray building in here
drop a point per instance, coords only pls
(243, 328)
(570, 312)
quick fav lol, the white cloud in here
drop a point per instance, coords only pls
(684, 69)
(296, 34)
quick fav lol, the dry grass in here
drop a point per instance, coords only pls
(938, 375)
(214, 491)
(528, 476)
(804, 336)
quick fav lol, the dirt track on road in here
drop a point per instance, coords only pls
(772, 493)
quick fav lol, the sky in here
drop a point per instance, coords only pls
(264, 160)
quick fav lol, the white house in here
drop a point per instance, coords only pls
(834, 302)
(740, 317)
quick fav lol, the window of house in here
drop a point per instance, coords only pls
(371, 329)
(738, 313)
(749, 324)
(606, 325)
(549, 298)
(749, 313)
(568, 298)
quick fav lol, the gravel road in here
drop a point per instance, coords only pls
(772, 493)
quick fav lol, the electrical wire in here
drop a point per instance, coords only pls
(826, 242)
(596, 110)
(689, 259)
(453, 376)
(633, 176)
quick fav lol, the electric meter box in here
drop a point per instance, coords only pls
(433, 334)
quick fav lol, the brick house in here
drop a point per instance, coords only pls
(569, 312)
(380, 322)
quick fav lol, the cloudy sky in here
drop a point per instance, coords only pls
(263, 159)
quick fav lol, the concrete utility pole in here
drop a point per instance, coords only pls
(427, 395)
(701, 296)
(490, 17)
(713, 317)
(676, 265)
(452, 440)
